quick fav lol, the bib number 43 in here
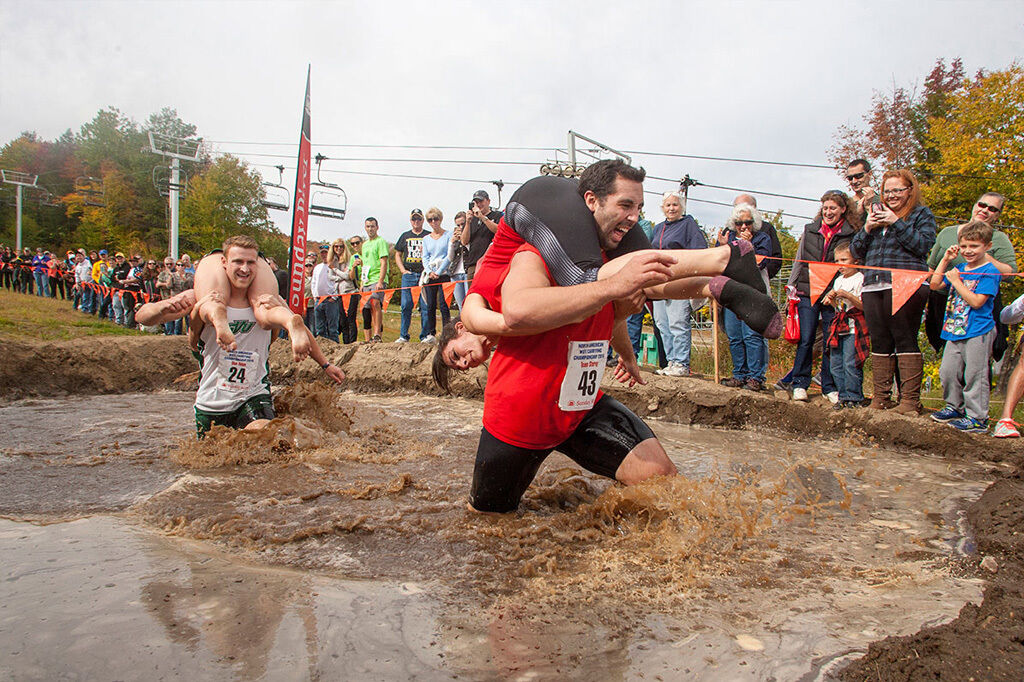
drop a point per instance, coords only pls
(583, 373)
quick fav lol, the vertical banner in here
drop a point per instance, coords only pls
(300, 216)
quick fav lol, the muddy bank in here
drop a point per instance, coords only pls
(91, 365)
(985, 642)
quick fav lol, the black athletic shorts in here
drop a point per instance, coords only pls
(503, 472)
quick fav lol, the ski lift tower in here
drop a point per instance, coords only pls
(177, 150)
(21, 180)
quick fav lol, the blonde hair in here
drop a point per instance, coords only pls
(434, 212)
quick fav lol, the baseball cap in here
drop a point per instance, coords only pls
(325, 247)
(118, 255)
(417, 211)
(480, 194)
(103, 252)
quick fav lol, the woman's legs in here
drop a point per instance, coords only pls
(803, 362)
(268, 308)
(737, 349)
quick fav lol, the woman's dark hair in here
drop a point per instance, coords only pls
(441, 371)
(600, 177)
(851, 215)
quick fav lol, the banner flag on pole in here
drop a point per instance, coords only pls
(904, 284)
(300, 215)
(821, 276)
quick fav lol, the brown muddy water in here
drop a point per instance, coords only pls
(337, 545)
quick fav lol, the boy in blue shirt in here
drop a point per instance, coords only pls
(968, 328)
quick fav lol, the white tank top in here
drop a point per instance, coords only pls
(229, 378)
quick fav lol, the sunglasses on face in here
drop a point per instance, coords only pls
(855, 176)
(744, 223)
(989, 207)
(433, 220)
(417, 219)
(355, 243)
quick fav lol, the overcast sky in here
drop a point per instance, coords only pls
(758, 80)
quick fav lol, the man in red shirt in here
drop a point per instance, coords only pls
(543, 383)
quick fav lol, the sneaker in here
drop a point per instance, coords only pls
(753, 385)
(676, 370)
(970, 425)
(816, 379)
(731, 382)
(376, 339)
(853, 403)
(429, 338)
(947, 414)
(840, 405)
(833, 397)
(783, 385)
(800, 394)
(1006, 428)
(399, 340)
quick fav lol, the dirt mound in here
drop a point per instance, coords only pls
(985, 642)
(89, 365)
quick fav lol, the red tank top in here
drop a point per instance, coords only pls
(524, 382)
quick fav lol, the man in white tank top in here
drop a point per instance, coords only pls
(234, 385)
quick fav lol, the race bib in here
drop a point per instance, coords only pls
(238, 370)
(583, 375)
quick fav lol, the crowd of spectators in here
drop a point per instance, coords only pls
(884, 230)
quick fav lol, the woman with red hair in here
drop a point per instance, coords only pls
(898, 234)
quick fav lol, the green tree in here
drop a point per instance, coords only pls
(225, 200)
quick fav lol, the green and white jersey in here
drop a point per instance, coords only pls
(229, 378)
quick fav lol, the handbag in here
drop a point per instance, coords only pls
(792, 332)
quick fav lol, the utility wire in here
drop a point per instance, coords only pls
(394, 146)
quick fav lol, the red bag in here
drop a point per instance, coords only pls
(792, 333)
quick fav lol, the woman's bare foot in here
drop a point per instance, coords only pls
(215, 313)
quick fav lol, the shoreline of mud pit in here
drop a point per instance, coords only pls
(984, 641)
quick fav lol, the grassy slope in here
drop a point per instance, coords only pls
(34, 318)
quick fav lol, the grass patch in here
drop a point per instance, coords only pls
(35, 318)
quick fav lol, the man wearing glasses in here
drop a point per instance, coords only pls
(858, 174)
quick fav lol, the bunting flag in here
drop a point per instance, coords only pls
(759, 257)
(300, 216)
(449, 290)
(415, 293)
(904, 284)
(821, 276)
(387, 299)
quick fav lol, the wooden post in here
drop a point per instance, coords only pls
(714, 335)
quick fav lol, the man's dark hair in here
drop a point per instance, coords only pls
(600, 177)
(369, 218)
(860, 162)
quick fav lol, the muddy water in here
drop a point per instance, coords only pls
(768, 558)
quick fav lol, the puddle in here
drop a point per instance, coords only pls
(769, 558)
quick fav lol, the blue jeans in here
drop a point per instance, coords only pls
(325, 317)
(849, 378)
(673, 320)
(809, 316)
(433, 298)
(411, 279)
(118, 306)
(461, 288)
(173, 328)
(42, 283)
(746, 347)
(88, 299)
(635, 327)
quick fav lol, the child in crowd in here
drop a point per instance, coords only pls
(968, 328)
(1006, 427)
(847, 337)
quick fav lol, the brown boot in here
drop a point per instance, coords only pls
(882, 368)
(911, 370)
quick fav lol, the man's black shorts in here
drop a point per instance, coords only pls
(503, 472)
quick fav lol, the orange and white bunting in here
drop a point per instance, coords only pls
(449, 290)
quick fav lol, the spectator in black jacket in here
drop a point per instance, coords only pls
(837, 221)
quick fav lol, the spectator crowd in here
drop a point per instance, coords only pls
(869, 237)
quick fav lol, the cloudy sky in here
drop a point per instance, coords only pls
(767, 80)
